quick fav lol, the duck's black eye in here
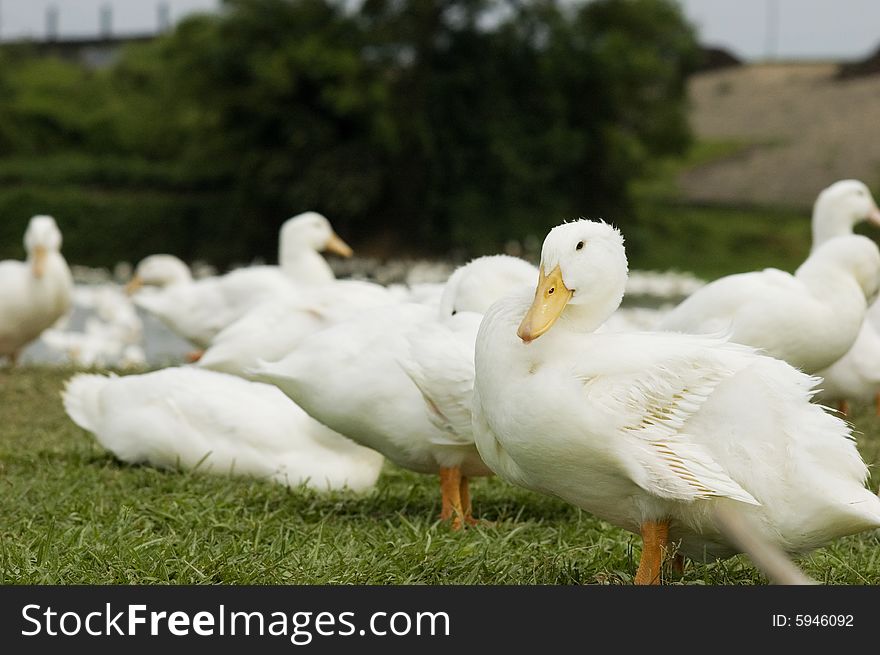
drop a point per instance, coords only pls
(579, 245)
(551, 290)
(454, 312)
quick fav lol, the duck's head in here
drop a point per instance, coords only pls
(853, 254)
(313, 231)
(41, 238)
(840, 207)
(583, 264)
(159, 271)
(474, 286)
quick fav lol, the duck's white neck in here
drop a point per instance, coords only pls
(830, 221)
(303, 264)
(178, 276)
(56, 281)
(835, 287)
(588, 316)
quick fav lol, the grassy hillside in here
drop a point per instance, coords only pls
(711, 239)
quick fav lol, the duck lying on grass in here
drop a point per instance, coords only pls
(189, 418)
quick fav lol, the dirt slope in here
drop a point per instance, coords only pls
(807, 128)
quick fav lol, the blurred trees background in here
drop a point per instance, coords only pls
(414, 125)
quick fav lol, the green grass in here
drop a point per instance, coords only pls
(715, 241)
(70, 513)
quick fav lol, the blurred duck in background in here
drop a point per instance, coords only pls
(35, 293)
(274, 328)
(809, 319)
(199, 309)
(159, 271)
(856, 375)
(399, 378)
(840, 207)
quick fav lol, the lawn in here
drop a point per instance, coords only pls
(70, 513)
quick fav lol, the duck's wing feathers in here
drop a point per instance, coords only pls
(196, 311)
(726, 303)
(651, 390)
(440, 363)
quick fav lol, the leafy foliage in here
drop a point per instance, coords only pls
(413, 124)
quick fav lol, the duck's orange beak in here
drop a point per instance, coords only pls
(551, 297)
(133, 285)
(39, 265)
(338, 246)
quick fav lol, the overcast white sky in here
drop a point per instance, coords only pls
(754, 29)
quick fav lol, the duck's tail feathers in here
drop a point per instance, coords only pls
(81, 397)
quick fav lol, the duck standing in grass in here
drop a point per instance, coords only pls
(399, 378)
(653, 432)
(35, 293)
(809, 319)
(856, 375)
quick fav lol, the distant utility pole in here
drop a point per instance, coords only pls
(772, 29)
(164, 17)
(52, 22)
(105, 20)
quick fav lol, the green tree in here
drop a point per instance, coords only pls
(412, 124)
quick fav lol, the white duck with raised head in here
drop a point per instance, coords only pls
(809, 319)
(36, 292)
(652, 431)
(856, 375)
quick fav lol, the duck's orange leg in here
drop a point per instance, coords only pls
(195, 355)
(450, 488)
(467, 508)
(655, 536)
(843, 407)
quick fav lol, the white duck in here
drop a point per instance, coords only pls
(112, 334)
(185, 417)
(274, 328)
(856, 375)
(199, 310)
(809, 319)
(159, 271)
(839, 208)
(35, 293)
(399, 378)
(652, 431)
